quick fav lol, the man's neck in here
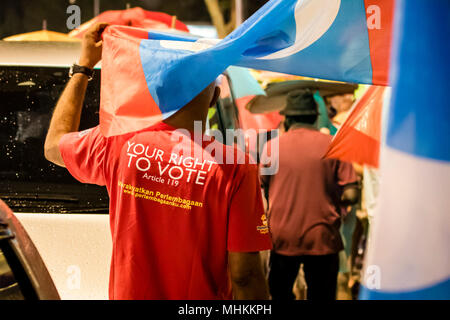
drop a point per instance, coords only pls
(185, 119)
(299, 125)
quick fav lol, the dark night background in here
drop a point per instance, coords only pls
(19, 16)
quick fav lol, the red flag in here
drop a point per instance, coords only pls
(358, 140)
(135, 17)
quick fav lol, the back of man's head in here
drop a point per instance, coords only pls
(301, 107)
(196, 109)
(204, 99)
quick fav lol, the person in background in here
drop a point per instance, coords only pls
(339, 105)
(189, 230)
(305, 197)
(369, 202)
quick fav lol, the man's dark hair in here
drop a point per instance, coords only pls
(306, 119)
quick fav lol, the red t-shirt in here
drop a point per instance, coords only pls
(304, 195)
(175, 211)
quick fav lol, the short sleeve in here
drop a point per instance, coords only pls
(83, 154)
(268, 163)
(346, 174)
(247, 224)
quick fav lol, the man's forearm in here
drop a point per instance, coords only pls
(254, 288)
(247, 276)
(66, 117)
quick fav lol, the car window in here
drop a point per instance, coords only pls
(223, 115)
(28, 182)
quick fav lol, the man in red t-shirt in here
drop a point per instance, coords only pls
(305, 198)
(183, 224)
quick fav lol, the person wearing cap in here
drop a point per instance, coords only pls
(305, 197)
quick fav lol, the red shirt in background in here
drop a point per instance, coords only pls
(173, 217)
(304, 196)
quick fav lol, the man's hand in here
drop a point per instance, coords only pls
(66, 117)
(91, 46)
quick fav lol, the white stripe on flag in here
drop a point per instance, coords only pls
(411, 231)
(312, 19)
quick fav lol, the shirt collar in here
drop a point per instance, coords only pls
(299, 125)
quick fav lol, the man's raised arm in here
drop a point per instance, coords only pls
(66, 117)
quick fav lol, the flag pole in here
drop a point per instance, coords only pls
(239, 12)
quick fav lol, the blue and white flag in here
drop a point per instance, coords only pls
(330, 39)
(408, 255)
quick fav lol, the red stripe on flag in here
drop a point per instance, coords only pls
(126, 104)
(358, 140)
(380, 15)
(367, 151)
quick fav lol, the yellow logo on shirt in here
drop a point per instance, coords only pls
(263, 229)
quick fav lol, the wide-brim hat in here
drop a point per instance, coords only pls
(300, 103)
(276, 93)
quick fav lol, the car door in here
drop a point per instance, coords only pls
(67, 220)
(23, 274)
